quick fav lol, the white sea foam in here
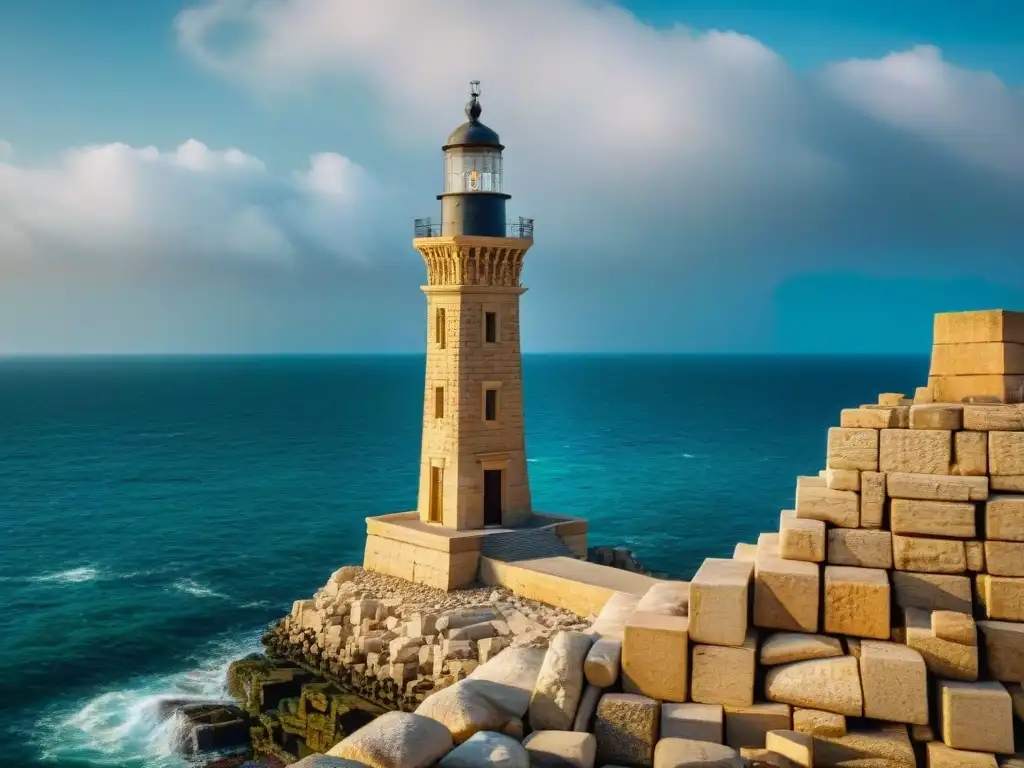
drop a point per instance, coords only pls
(194, 588)
(71, 576)
(689, 456)
(124, 727)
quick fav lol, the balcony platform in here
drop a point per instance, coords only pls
(402, 545)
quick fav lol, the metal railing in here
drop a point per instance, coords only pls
(428, 228)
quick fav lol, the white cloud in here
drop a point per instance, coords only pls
(627, 136)
(120, 205)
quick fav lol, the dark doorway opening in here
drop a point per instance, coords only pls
(492, 497)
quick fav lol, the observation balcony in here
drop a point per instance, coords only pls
(522, 228)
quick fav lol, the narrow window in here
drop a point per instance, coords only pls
(490, 327)
(438, 402)
(490, 404)
(439, 328)
(436, 494)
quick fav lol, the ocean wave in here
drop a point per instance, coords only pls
(70, 576)
(689, 456)
(129, 727)
(194, 588)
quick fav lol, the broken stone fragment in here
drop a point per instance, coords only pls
(829, 684)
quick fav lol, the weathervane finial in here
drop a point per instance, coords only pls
(473, 108)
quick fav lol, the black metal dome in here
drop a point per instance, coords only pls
(473, 133)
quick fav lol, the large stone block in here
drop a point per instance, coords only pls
(928, 452)
(786, 593)
(970, 454)
(655, 656)
(992, 358)
(925, 555)
(801, 539)
(840, 508)
(745, 552)
(895, 683)
(880, 746)
(1004, 517)
(749, 726)
(796, 747)
(788, 647)
(979, 326)
(724, 674)
(980, 388)
(939, 755)
(1000, 418)
(687, 753)
(1006, 453)
(914, 485)
(560, 749)
(852, 449)
(1005, 558)
(860, 547)
(933, 416)
(817, 722)
(869, 418)
(857, 602)
(944, 657)
(559, 685)
(1007, 483)
(932, 591)
(1001, 597)
(719, 602)
(832, 685)
(842, 479)
(955, 627)
(1004, 650)
(626, 729)
(398, 740)
(953, 519)
(700, 722)
(976, 716)
(975, 551)
(669, 598)
(872, 499)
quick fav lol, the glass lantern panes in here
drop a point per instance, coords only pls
(477, 170)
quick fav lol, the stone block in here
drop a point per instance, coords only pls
(975, 551)
(925, 555)
(700, 722)
(991, 358)
(912, 485)
(999, 418)
(832, 685)
(584, 719)
(923, 395)
(603, 662)
(953, 519)
(840, 508)
(944, 658)
(976, 716)
(938, 755)
(985, 325)
(767, 546)
(869, 418)
(915, 451)
(922, 733)
(1006, 453)
(842, 479)
(933, 591)
(1004, 517)
(856, 602)
(852, 449)
(749, 726)
(719, 602)
(872, 499)
(724, 674)
(786, 593)
(860, 547)
(745, 552)
(789, 647)
(895, 683)
(559, 684)
(817, 722)
(891, 398)
(1005, 558)
(949, 417)
(796, 747)
(970, 454)
(560, 749)
(801, 539)
(1004, 650)
(686, 753)
(980, 388)
(1007, 483)
(954, 627)
(655, 656)
(884, 745)
(626, 729)
(669, 598)
(1001, 597)
(396, 738)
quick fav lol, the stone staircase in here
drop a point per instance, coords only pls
(510, 546)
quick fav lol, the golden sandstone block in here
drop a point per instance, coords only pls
(817, 722)
(874, 746)
(832, 685)
(912, 485)
(700, 722)
(975, 556)
(749, 726)
(1004, 650)
(1006, 453)
(985, 325)
(860, 547)
(842, 479)
(955, 519)
(1001, 597)
(970, 454)
(932, 591)
(655, 656)
(723, 674)
(719, 602)
(977, 389)
(891, 398)
(977, 358)
(872, 498)
(869, 418)
(801, 539)
(954, 627)
(945, 658)
(986, 418)
(789, 647)
(941, 756)
(786, 592)
(920, 451)
(1004, 518)
(857, 602)
(934, 416)
(797, 748)
(976, 716)
(840, 508)
(895, 683)
(852, 449)
(928, 555)
(1004, 558)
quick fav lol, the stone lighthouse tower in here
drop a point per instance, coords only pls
(473, 462)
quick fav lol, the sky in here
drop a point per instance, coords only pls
(751, 176)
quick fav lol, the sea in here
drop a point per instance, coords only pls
(157, 513)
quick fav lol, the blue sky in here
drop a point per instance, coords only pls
(227, 176)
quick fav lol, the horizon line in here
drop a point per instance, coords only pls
(306, 355)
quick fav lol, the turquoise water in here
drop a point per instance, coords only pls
(156, 514)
